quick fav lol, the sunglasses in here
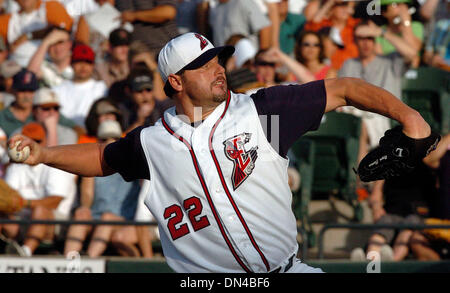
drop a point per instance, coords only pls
(56, 108)
(306, 44)
(264, 63)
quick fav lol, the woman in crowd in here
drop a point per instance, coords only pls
(309, 51)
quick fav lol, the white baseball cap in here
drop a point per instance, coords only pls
(45, 97)
(188, 51)
(244, 51)
(109, 129)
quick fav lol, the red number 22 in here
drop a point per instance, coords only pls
(193, 206)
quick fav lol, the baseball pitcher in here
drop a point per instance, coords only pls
(217, 160)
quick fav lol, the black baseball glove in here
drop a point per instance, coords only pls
(397, 155)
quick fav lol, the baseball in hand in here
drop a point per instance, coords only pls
(18, 156)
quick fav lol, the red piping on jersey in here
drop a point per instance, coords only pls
(227, 191)
(205, 190)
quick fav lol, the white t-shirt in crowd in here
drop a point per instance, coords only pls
(297, 6)
(40, 181)
(75, 8)
(51, 75)
(262, 4)
(77, 98)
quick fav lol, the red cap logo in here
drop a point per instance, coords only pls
(203, 41)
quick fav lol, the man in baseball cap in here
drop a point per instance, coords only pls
(141, 82)
(115, 67)
(216, 159)
(82, 53)
(144, 109)
(119, 37)
(18, 113)
(79, 94)
(25, 81)
(187, 52)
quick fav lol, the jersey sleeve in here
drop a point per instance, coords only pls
(299, 109)
(126, 156)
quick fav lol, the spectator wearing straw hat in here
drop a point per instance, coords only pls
(46, 110)
(46, 107)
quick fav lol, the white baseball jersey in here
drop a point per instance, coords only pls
(219, 191)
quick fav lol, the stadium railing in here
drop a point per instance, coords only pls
(300, 230)
(327, 227)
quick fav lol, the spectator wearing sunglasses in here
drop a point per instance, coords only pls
(142, 109)
(274, 58)
(19, 113)
(103, 109)
(309, 51)
(46, 108)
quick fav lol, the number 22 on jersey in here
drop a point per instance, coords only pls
(193, 207)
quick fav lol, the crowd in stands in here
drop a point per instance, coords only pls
(83, 71)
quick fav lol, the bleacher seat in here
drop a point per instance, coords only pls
(427, 89)
(325, 159)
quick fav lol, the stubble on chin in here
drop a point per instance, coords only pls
(220, 97)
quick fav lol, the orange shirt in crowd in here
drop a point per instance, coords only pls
(350, 50)
(84, 138)
(51, 13)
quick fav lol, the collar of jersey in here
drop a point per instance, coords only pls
(186, 130)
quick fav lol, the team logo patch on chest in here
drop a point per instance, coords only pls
(244, 161)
